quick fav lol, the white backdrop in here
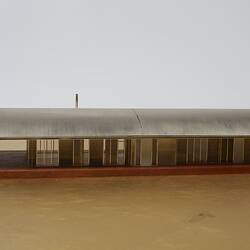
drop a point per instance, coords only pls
(133, 53)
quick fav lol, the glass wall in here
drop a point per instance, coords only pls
(181, 151)
(13, 153)
(81, 152)
(124, 152)
(96, 149)
(120, 152)
(133, 154)
(66, 153)
(166, 152)
(247, 151)
(47, 153)
(213, 151)
(238, 155)
(146, 152)
(227, 150)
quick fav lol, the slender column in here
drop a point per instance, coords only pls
(138, 152)
(128, 153)
(154, 152)
(31, 153)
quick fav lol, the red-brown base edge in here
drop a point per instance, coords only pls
(122, 171)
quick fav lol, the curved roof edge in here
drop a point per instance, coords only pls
(97, 123)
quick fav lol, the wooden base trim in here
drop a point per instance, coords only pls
(122, 171)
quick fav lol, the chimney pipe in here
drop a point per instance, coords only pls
(76, 101)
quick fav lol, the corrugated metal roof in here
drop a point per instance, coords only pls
(75, 123)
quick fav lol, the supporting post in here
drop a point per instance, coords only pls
(76, 101)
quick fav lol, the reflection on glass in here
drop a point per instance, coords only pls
(47, 153)
(133, 153)
(167, 152)
(181, 151)
(190, 148)
(247, 151)
(13, 153)
(146, 152)
(121, 152)
(238, 154)
(96, 152)
(85, 152)
(213, 151)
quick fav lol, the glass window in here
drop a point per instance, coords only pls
(85, 152)
(138, 151)
(197, 150)
(47, 153)
(230, 150)
(238, 155)
(114, 152)
(146, 152)
(167, 152)
(127, 152)
(224, 150)
(204, 147)
(13, 153)
(107, 152)
(121, 152)
(77, 152)
(66, 153)
(96, 149)
(247, 150)
(181, 151)
(31, 145)
(190, 149)
(13, 145)
(133, 153)
(155, 152)
(213, 151)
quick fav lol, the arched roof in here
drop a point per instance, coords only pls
(76, 123)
